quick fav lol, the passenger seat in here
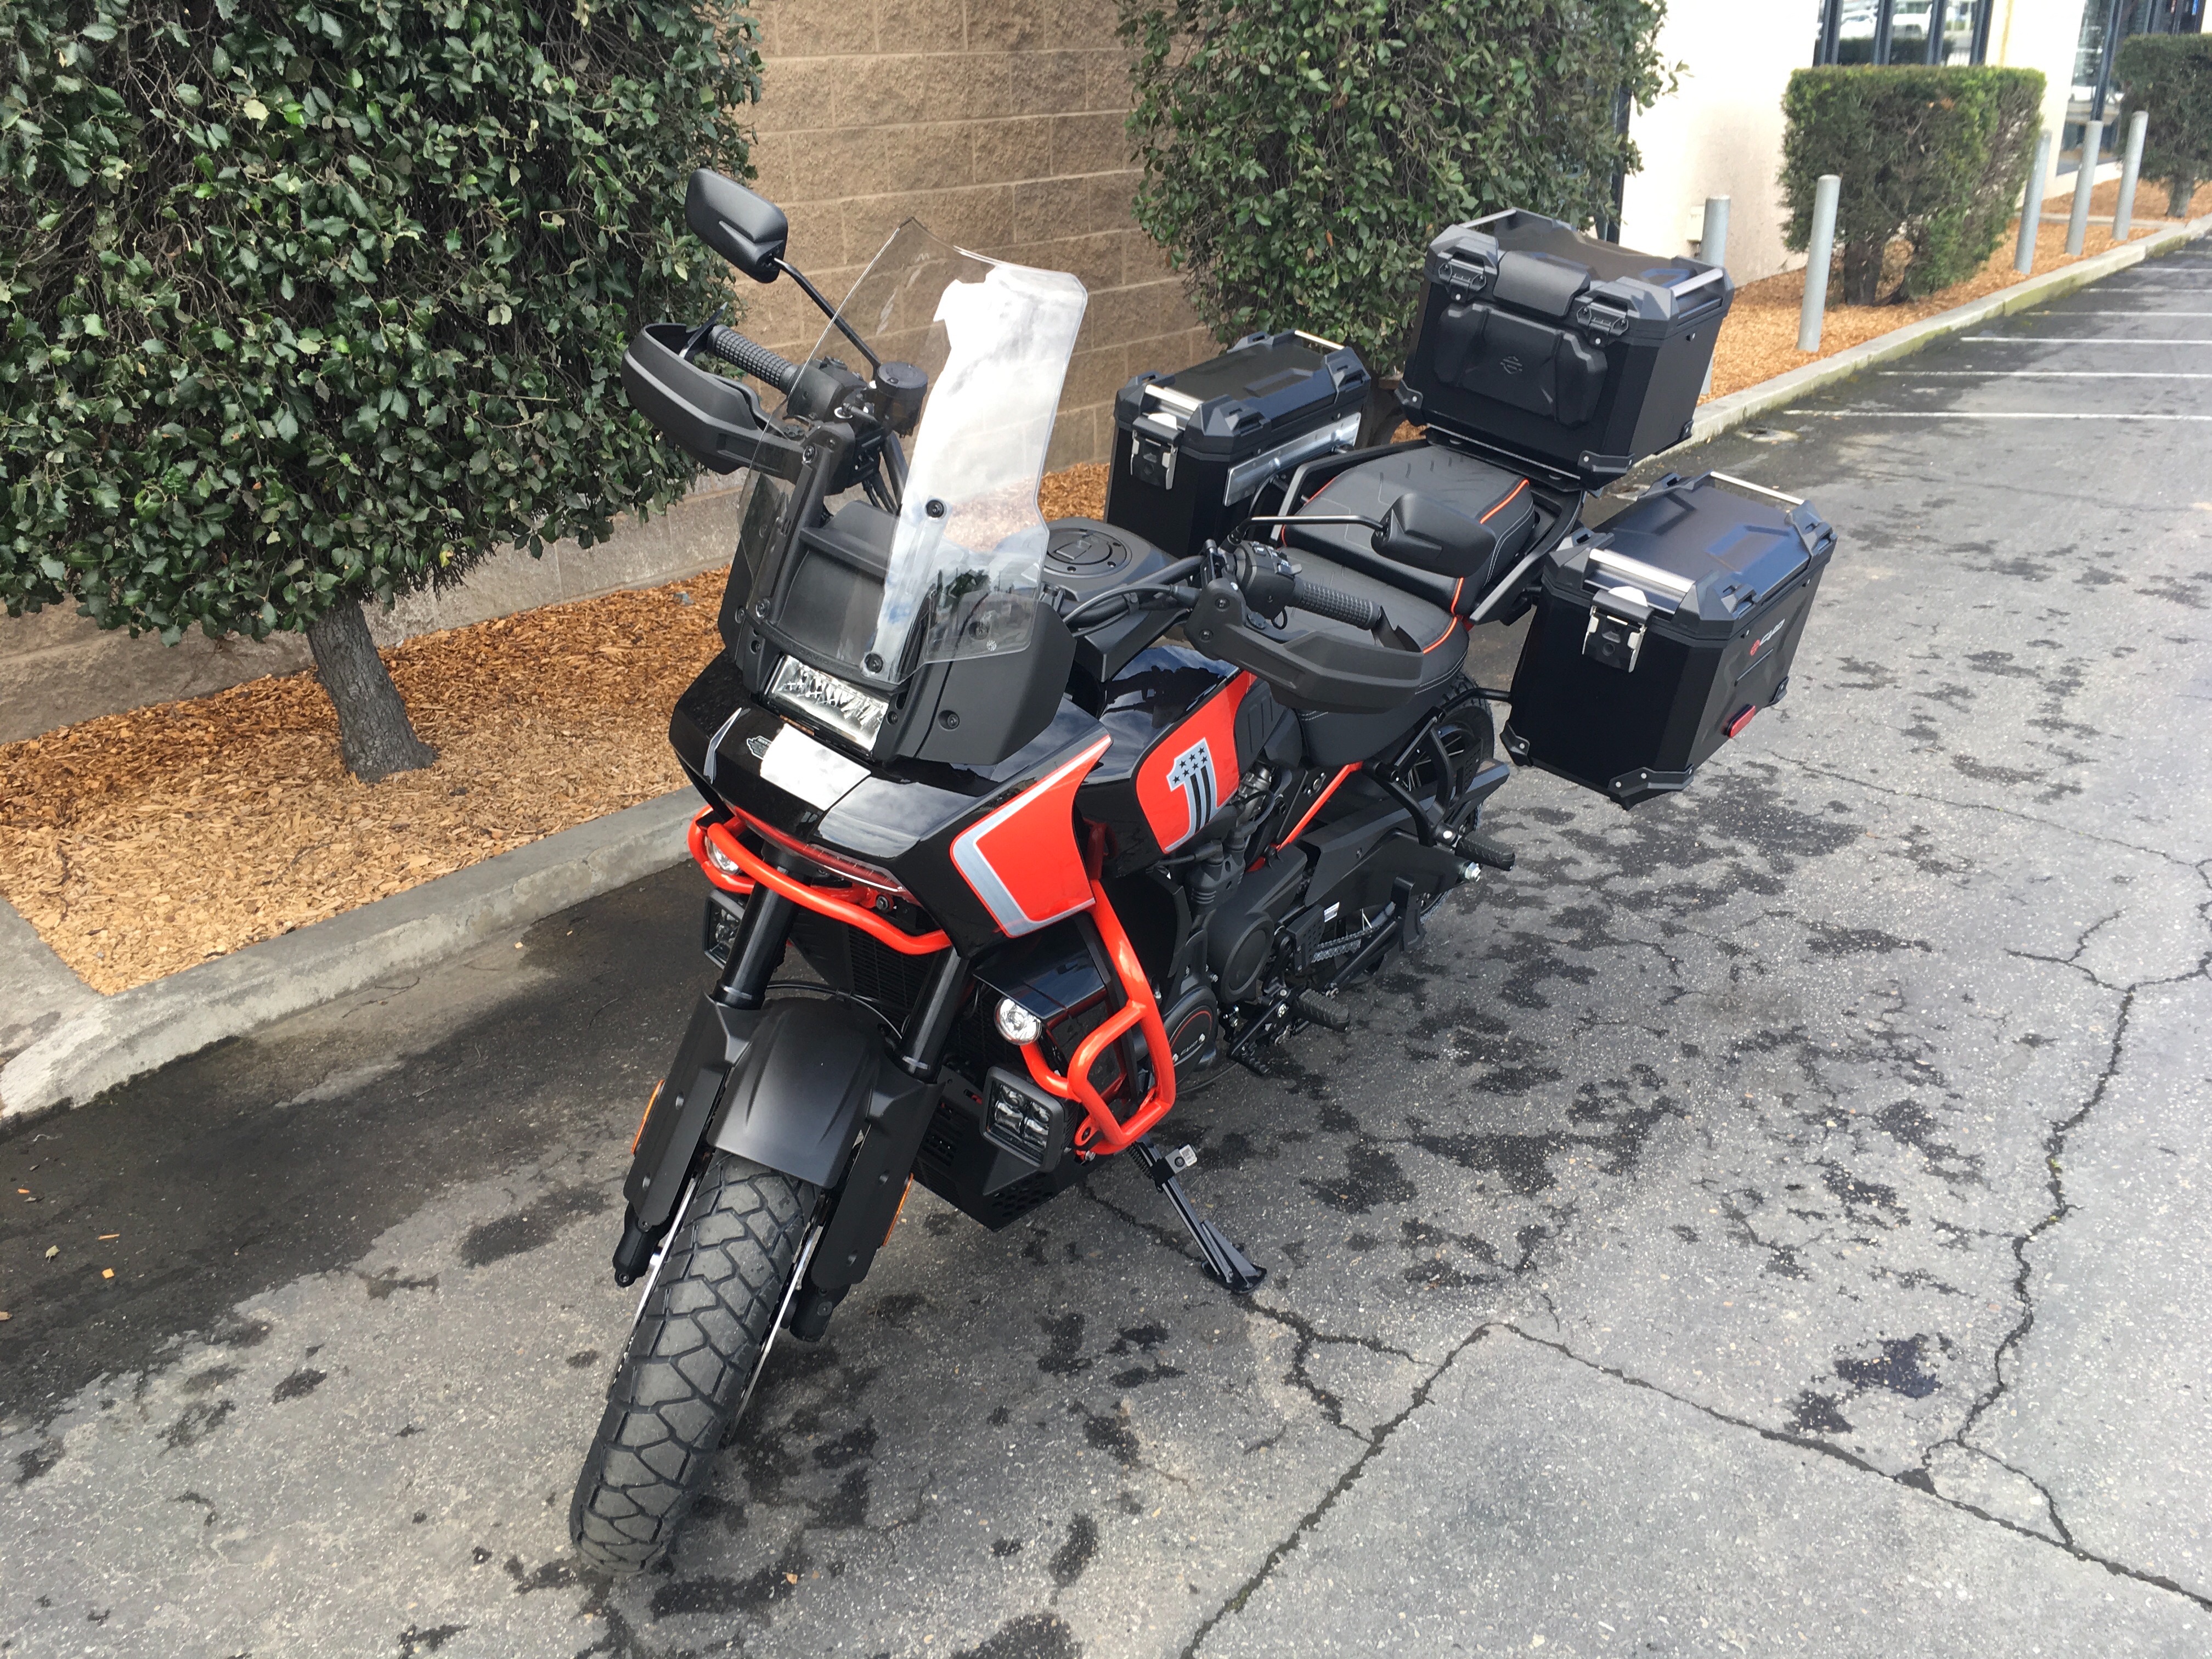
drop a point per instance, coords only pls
(1486, 494)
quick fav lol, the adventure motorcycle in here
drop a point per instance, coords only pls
(1063, 823)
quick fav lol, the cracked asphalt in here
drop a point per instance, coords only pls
(1774, 1221)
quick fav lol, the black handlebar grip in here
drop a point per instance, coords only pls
(1337, 607)
(755, 359)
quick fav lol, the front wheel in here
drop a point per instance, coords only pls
(705, 1325)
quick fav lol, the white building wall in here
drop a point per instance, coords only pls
(1719, 133)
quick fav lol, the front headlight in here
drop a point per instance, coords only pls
(838, 704)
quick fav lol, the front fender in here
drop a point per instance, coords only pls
(785, 1085)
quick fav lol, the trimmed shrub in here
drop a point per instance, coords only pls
(1299, 154)
(1937, 157)
(2169, 75)
(305, 304)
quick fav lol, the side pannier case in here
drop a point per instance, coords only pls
(1658, 636)
(1192, 449)
(1556, 351)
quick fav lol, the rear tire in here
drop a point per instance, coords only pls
(706, 1323)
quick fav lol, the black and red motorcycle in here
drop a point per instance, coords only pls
(1062, 822)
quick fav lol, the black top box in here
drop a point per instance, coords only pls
(1658, 636)
(1559, 352)
(1192, 449)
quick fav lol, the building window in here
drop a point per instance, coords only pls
(2105, 24)
(1903, 32)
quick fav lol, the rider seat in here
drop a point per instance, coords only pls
(1340, 739)
(1474, 489)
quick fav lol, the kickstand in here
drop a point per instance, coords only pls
(1223, 1259)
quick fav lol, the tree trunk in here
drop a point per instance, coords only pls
(2179, 194)
(1380, 414)
(375, 738)
(1862, 273)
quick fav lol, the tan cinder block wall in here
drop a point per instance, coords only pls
(999, 123)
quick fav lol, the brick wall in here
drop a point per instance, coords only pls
(996, 123)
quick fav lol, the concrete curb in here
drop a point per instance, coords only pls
(127, 1035)
(134, 1031)
(1738, 407)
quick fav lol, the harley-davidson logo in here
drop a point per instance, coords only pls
(1193, 773)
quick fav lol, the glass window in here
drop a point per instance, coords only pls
(1902, 32)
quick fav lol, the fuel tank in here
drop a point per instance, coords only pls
(1185, 729)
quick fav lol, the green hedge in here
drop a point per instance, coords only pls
(303, 302)
(1936, 156)
(1298, 154)
(2169, 75)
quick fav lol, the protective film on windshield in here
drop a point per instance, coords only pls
(968, 553)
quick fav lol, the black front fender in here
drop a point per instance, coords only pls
(786, 1086)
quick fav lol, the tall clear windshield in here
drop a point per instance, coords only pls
(968, 552)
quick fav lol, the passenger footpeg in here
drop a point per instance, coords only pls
(1223, 1259)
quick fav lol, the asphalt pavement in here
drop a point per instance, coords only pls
(1774, 1221)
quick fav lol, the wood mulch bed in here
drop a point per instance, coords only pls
(140, 843)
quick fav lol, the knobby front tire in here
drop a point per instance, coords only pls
(707, 1318)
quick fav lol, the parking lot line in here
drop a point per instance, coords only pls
(2037, 374)
(2071, 339)
(1987, 415)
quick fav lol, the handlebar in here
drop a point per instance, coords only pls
(1325, 601)
(755, 359)
(1271, 585)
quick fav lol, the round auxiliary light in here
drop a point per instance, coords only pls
(1018, 1024)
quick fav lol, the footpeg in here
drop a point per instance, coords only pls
(1223, 1259)
(1483, 850)
(1313, 1006)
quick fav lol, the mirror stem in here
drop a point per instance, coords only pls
(828, 310)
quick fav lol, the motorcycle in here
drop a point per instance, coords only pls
(1064, 825)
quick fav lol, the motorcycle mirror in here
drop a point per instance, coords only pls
(750, 231)
(1430, 536)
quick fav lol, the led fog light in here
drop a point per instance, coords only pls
(1018, 1024)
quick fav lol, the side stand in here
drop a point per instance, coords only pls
(1223, 1259)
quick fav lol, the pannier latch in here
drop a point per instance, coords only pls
(1156, 436)
(1616, 625)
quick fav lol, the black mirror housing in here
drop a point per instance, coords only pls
(1431, 536)
(750, 231)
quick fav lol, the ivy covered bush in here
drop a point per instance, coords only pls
(1299, 154)
(304, 304)
(2169, 75)
(1934, 158)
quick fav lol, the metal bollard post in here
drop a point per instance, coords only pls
(2030, 207)
(1712, 249)
(1818, 254)
(2085, 182)
(2130, 170)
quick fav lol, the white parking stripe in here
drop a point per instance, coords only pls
(1992, 415)
(2036, 374)
(2138, 313)
(2071, 339)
